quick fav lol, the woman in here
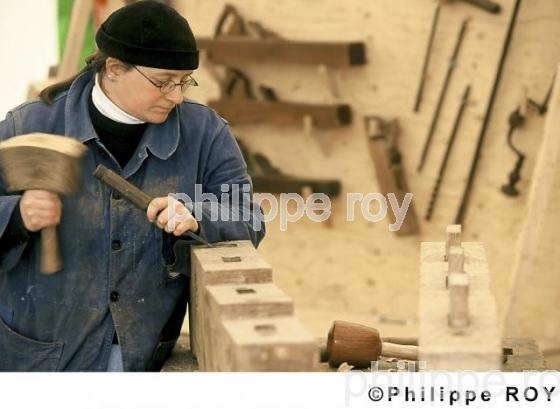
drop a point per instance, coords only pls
(119, 301)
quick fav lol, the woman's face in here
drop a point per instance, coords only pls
(136, 95)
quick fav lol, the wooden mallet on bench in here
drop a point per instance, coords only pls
(40, 161)
(359, 345)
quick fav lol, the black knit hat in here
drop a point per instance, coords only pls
(151, 34)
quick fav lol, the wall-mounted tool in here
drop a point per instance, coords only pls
(420, 91)
(443, 93)
(445, 160)
(487, 5)
(516, 120)
(542, 108)
(267, 178)
(382, 140)
(238, 42)
(240, 106)
(470, 181)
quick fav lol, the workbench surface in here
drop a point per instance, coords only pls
(526, 357)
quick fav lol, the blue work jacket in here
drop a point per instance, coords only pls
(116, 273)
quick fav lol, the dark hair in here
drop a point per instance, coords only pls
(95, 62)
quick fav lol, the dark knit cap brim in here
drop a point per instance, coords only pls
(151, 34)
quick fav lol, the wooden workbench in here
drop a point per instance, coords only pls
(526, 357)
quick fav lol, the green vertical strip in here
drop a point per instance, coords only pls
(64, 14)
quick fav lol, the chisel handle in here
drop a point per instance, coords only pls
(136, 196)
(130, 192)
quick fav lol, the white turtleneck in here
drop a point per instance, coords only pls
(108, 108)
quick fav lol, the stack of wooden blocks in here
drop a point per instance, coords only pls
(239, 320)
(458, 317)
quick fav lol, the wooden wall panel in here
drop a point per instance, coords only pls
(359, 270)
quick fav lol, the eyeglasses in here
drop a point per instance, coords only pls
(169, 86)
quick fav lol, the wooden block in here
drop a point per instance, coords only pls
(269, 345)
(235, 50)
(458, 286)
(453, 232)
(241, 111)
(233, 302)
(435, 280)
(456, 260)
(234, 262)
(434, 270)
(442, 347)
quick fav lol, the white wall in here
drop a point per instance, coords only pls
(28, 46)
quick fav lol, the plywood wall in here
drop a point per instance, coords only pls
(359, 270)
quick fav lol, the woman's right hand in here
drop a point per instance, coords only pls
(40, 209)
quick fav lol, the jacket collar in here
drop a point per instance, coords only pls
(160, 139)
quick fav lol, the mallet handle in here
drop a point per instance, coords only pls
(50, 251)
(409, 352)
(401, 340)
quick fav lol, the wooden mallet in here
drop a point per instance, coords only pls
(359, 345)
(40, 161)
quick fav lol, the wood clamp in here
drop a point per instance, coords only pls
(267, 178)
(240, 106)
(238, 42)
(382, 140)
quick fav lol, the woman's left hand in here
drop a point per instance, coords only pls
(171, 215)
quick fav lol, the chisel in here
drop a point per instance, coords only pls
(136, 196)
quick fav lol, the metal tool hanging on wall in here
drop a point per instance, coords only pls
(516, 120)
(445, 160)
(486, 5)
(382, 140)
(443, 93)
(542, 108)
(420, 92)
(461, 212)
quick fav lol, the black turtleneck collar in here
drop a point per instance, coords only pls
(120, 139)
